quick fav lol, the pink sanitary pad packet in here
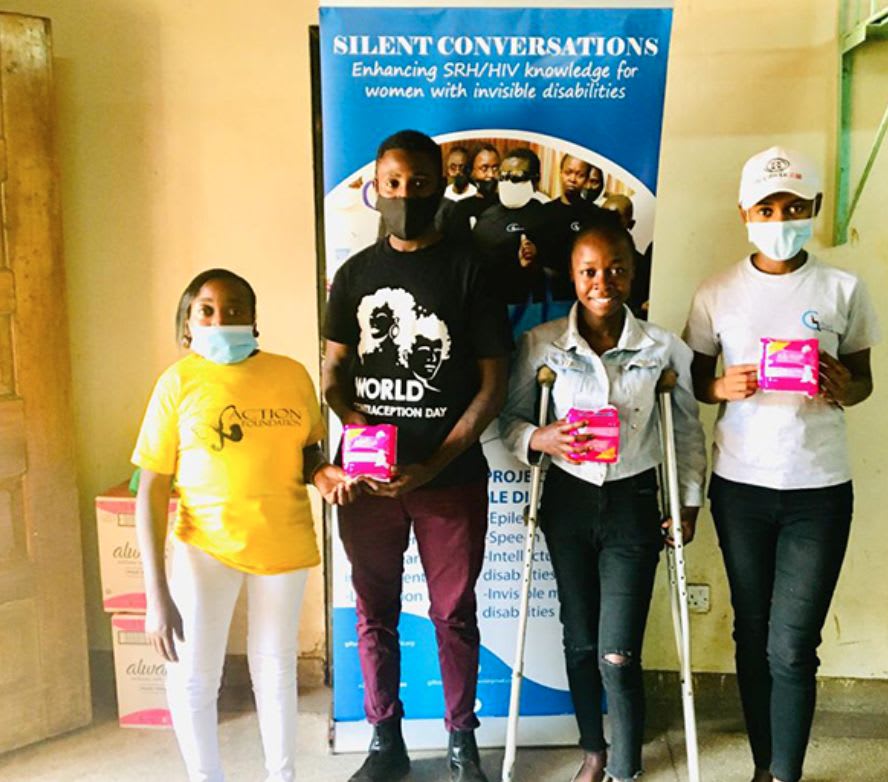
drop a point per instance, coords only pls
(789, 365)
(369, 451)
(603, 425)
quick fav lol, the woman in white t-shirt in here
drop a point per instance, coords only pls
(781, 491)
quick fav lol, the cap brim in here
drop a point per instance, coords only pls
(769, 188)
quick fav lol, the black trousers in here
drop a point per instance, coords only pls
(783, 550)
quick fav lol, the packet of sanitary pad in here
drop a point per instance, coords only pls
(789, 365)
(369, 451)
(603, 427)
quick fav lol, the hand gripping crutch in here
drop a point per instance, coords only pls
(678, 584)
(546, 379)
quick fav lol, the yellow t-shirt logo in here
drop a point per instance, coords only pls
(226, 428)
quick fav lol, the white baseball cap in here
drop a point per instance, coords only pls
(778, 170)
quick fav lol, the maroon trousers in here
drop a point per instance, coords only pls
(450, 525)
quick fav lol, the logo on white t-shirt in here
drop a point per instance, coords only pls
(811, 319)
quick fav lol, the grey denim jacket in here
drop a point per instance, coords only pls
(625, 376)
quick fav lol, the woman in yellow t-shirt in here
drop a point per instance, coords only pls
(239, 430)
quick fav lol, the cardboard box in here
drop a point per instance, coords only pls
(139, 672)
(123, 587)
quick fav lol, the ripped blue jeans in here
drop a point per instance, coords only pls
(605, 543)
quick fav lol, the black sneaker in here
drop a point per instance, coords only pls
(462, 755)
(387, 760)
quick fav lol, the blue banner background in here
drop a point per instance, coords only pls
(627, 131)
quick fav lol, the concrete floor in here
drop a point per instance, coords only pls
(845, 748)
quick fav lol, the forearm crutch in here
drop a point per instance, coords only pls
(545, 379)
(678, 584)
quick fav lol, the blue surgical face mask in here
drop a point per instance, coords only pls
(223, 344)
(780, 240)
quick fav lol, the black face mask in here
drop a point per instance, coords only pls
(592, 193)
(574, 196)
(408, 218)
(487, 187)
(460, 182)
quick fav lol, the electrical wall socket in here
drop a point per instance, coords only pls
(698, 598)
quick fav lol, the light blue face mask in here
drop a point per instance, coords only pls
(223, 344)
(780, 240)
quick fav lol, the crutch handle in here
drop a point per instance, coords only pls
(668, 380)
(546, 376)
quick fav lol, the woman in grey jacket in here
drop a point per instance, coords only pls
(601, 517)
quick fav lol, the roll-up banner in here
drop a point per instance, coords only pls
(585, 80)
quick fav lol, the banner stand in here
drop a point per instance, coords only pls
(583, 81)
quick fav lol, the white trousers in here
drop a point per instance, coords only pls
(205, 592)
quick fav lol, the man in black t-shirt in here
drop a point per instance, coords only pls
(505, 236)
(455, 219)
(564, 218)
(457, 170)
(415, 339)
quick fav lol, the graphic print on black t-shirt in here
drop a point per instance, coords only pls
(401, 339)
